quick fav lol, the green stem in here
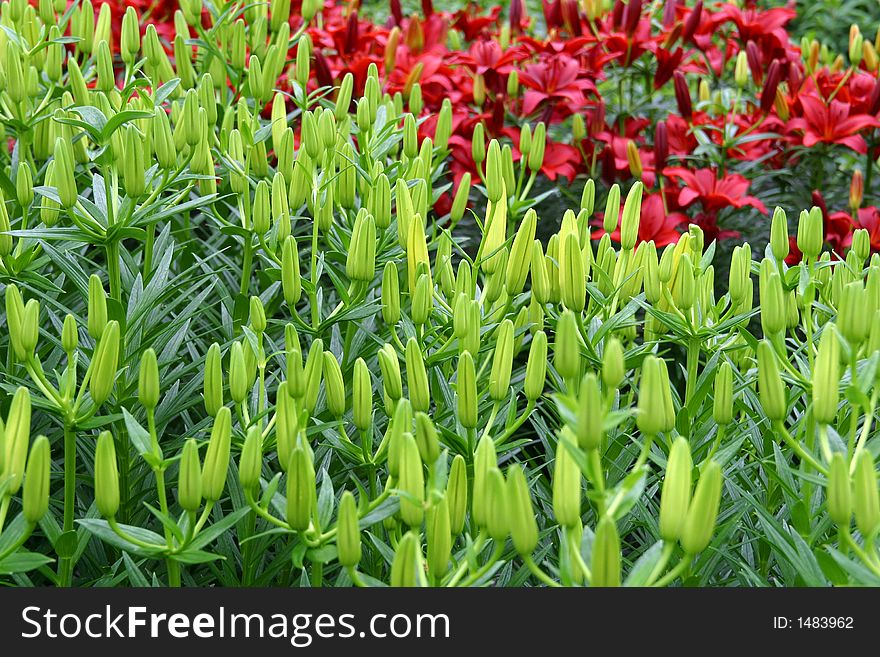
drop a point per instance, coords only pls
(113, 270)
(668, 549)
(66, 564)
(673, 574)
(246, 264)
(540, 574)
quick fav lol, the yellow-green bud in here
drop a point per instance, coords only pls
(485, 458)
(426, 438)
(106, 476)
(17, 435)
(348, 533)
(654, 413)
(312, 373)
(217, 457)
(773, 311)
(104, 65)
(104, 363)
(566, 486)
(237, 373)
(770, 388)
(675, 496)
(303, 55)
(411, 481)
(97, 307)
(417, 377)
(457, 494)
(502, 362)
(703, 511)
(684, 287)
(852, 319)
(722, 404)
(866, 496)
(459, 202)
(839, 491)
(69, 334)
(250, 462)
(407, 569)
(779, 235)
(466, 391)
(28, 332)
(343, 98)
(213, 380)
(629, 222)
(536, 367)
(189, 483)
(389, 365)
(439, 536)
(24, 185)
(422, 300)
(741, 70)
(362, 396)
(613, 369)
(572, 280)
(334, 385)
(605, 564)
(590, 413)
(520, 253)
(826, 377)
(63, 173)
(566, 347)
(536, 154)
(148, 380)
(540, 278)
(35, 496)
(497, 521)
(130, 39)
(301, 496)
(523, 525)
(390, 294)
(291, 280)
(810, 234)
(494, 176)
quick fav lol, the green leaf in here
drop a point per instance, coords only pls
(22, 562)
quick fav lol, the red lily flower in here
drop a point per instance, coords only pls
(714, 194)
(554, 84)
(487, 58)
(869, 219)
(831, 124)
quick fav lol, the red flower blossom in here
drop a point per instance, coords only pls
(831, 124)
(554, 83)
(714, 193)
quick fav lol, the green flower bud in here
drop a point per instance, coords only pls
(457, 494)
(130, 39)
(401, 422)
(443, 129)
(390, 294)
(839, 491)
(566, 486)
(163, 141)
(826, 377)
(853, 321)
(410, 136)
(104, 363)
(605, 565)
(417, 377)
(97, 307)
(238, 387)
(536, 367)
(497, 521)
(303, 55)
(520, 253)
(28, 332)
(466, 391)
(684, 284)
(261, 214)
(389, 365)
(301, 496)
(416, 251)
(779, 235)
(250, 463)
(327, 134)
(572, 280)
(675, 496)
(17, 435)
(257, 315)
(613, 369)
(286, 424)
(566, 347)
(439, 536)
(35, 496)
(773, 312)
(523, 525)
(655, 398)
(485, 458)
(312, 372)
(459, 202)
(362, 396)
(148, 380)
(536, 154)
(502, 362)
(422, 300)
(411, 481)
(540, 279)
(217, 456)
(866, 497)
(494, 175)
(189, 484)
(722, 405)
(343, 98)
(63, 173)
(348, 533)
(478, 144)
(104, 65)
(69, 334)
(810, 234)
(590, 413)
(426, 438)
(213, 381)
(291, 281)
(861, 244)
(407, 569)
(703, 511)
(629, 223)
(379, 201)
(334, 384)
(106, 476)
(770, 388)
(24, 185)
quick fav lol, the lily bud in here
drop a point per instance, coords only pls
(422, 301)
(291, 280)
(826, 377)
(237, 374)
(523, 525)
(362, 396)
(189, 485)
(572, 281)
(629, 225)
(536, 154)
(390, 294)
(566, 487)
(485, 458)
(312, 374)
(703, 511)
(497, 519)
(536, 367)
(250, 463)
(69, 335)
(655, 411)
(301, 497)
(411, 481)
(417, 377)
(35, 496)
(105, 361)
(590, 413)
(459, 202)
(779, 234)
(390, 368)
(722, 405)
(605, 565)
(457, 494)
(684, 284)
(466, 391)
(213, 380)
(866, 496)
(407, 569)
(106, 476)
(612, 209)
(810, 234)
(741, 70)
(24, 185)
(502, 362)
(64, 173)
(348, 533)
(613, 368)
(853, 321)
(439, 537)
(839, 491)
(217, 456)
(520, 254)
(334, 385)
(148, 380)
(25, 339)
(770, 388)
(861, 244)
(772, 300)
(97, 315)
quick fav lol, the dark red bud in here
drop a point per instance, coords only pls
(661, 147)
(396, 12)
(669, 12)
(819, 202)
(571, 17)
(516, 14)
(351, 33)
(617, 14)
(753, 57)
(323, 76)
(427, 7)
(631, 16)
(692, 22)
(683, 96)
(768, 93)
